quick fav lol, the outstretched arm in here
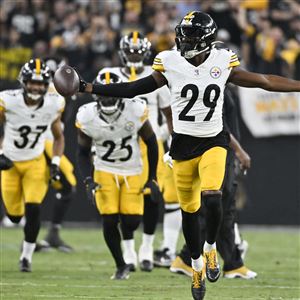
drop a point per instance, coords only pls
(126, 90)
(273, 83)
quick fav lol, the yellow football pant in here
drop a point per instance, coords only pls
(25, 182)
(203, 173)
(119, 194)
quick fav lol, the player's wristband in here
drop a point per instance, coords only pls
(55, 160)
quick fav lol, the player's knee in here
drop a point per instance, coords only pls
(14, 219)
(110, 221)
(212, 199)
(131, 222)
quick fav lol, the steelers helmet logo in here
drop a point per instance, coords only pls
(215, 72)
(129, 126)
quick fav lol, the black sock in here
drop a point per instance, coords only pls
(61, 205)
(129, 223)
(191, 232)
(112, 238)
(151, 214)
(33, 222)
(213, 215)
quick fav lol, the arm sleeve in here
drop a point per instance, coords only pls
(84, 161)
(126, 90)
(152, 153)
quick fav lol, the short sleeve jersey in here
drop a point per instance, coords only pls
(155, 100)
(116, 143)
(25, 126)
(196, 92)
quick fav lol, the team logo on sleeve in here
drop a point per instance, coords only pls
(129, 126)
(215, 72)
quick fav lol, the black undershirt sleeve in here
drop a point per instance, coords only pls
(152, 153)
(126, 90)
(84, 161)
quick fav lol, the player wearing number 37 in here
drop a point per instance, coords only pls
(196, 74)
(26, 114)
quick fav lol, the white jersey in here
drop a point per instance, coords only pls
(196, 92)
(116, 143)
(155, 100)
(25, 126)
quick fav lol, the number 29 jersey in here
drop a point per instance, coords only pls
(116, 143)
(25, 126)
(196, 92)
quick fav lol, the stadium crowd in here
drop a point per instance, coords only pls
(265, 33)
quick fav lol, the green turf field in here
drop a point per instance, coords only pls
(85, 274)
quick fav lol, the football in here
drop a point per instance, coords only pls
(66, 81)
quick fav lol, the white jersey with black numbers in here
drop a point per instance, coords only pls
(196, 92)
(155, 100)
(116, 143)
(25, 126)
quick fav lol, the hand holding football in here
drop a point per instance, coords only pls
(66, 81)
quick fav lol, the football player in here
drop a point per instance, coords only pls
(27, 113)
(197, 75)
(64, 188)
(134, 50)
(113, 126)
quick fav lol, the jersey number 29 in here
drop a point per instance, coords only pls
(206, 100)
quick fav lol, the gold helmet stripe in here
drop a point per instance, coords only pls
(38, 66)
(107, 77)
(135, 37)
(188, 17)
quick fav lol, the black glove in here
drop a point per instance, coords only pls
(91, 187)
(54, 173)
(5, 162)
(82, 82)
(155, 192)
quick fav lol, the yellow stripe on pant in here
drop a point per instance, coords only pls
(25, 182)
(203, 173)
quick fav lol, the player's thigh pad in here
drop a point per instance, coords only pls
(168, 186)
(108, 196)
(212, 168)
(132, 200)
(12, 193)
(35, 179)
(187, 184)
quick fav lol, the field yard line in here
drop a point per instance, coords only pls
(27, 283)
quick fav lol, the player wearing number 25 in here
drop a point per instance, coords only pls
(26, 114)
(113, 126)
(196, 74)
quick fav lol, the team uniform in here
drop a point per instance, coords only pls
(117, 164)
(24, 144)
(199, 138)
(156, 100)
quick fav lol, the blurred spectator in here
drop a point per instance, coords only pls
(24, 21)
(163, 36)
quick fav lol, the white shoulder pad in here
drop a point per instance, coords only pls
(85, 114)
(161, 59)
(7, 96)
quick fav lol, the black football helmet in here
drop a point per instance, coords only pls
(35, 71)
(195, 34)
(108, 105)
(134, 49)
